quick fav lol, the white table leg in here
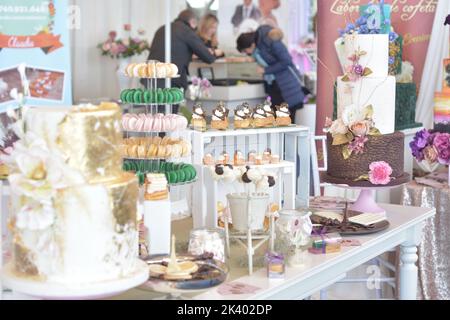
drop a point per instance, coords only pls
(408, 272)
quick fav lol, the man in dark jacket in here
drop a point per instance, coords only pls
(282, 79)
(185, 43)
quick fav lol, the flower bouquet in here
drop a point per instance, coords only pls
(126, 47)
(199, 88)
(352, 129)
(431, 149)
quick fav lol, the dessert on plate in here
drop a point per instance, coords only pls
(198, 120)
(219, 118)
(283, 115)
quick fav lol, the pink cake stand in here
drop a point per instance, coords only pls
(366, 201)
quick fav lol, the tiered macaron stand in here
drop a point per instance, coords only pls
(158, 214)
(291, 143)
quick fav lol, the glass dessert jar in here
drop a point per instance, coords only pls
(292, 235)
(207, 241)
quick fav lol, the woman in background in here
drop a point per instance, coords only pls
(282, 80)
(207, 30)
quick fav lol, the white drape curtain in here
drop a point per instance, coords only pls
(94, 75)
(433, 72)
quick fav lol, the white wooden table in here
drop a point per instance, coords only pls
(323, 270)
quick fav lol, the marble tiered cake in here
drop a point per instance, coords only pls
(74, 209)
(362, 139)
(442, 102)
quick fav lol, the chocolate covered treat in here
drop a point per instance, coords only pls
(242, 117)
(283, 115)
(198, 120)
(219, 119)
(270, 113)
(259, 117)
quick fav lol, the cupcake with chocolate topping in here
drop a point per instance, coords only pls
(283, 115)
(198, 120)
(259, 117)
(242, 117)
(270, 114)
(220, 117)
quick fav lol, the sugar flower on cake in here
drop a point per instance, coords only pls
(352, 129)
(379, 173)
(355, 70)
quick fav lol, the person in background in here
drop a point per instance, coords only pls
(185, 42)
(267, 17)
(207, 30)
(247, 10)
(282, 80)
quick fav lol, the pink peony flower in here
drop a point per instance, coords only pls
(114, 48)
(112, 35)
(441, 142)
(380, 173)
(106, 46)
(359, 128)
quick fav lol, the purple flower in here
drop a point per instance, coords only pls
(204, 83)
(393, 36)
(357, 145)
(391, 60)
(361, 21)
(441, 142)
(358, 69)
(364, 29)
(195, 81)
(447, 20)
(421, 140)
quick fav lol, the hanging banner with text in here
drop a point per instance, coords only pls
(412, 19)
(35, 52)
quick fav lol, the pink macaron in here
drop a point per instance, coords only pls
(157, 123)
(131, 123)
(148, 126)
(182, 123)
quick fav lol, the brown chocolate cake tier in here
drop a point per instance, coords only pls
(388, 148)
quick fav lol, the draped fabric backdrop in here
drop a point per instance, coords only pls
(434, 69)
(94, 75)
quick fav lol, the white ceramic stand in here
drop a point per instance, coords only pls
(157, 220)
(98, 290)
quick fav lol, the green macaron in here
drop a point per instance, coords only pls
(147, 96)
(123, 95)
(159, 96)
(173, 177)
(138, 96)
(129, 96)
(181, 176)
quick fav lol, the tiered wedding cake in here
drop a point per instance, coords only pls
(363, 136)
(74, 210)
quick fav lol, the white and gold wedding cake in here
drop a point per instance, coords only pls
(73, 208)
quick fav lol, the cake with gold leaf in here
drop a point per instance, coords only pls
(73, 208)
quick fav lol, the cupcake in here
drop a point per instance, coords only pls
(219, 119)
(283, 115)
(241, 118)
(259, 117)
(198, 120)
(270, 114)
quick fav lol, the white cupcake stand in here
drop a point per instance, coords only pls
(291, 143)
